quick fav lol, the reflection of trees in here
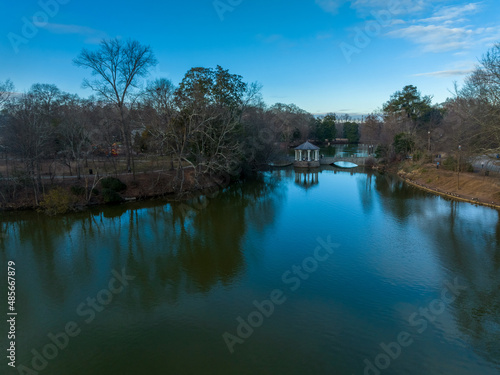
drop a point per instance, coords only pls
(467, 242)
(470, 248)
(212, 248)
(396, 193)
(366, 191)
(170, 250)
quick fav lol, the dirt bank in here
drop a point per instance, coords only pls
(474, 188)
(144, 186)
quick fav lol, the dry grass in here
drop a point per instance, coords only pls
(472, 186)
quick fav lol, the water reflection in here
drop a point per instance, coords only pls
(170, 248)
(467, 244)
(470, 250)
(200, 264)
(306, 179)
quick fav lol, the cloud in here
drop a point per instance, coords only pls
(445, 73)
(325, 35)
(434, 38)
(365, 6)
(397, 7)
(452, 14)
(434, 25)
(92, 36)
(330, 6)
(270, 38)
(437, 38)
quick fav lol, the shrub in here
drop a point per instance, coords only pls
(134, 184)
(112, 183)
(57, 201)
(78, 190)
(370, 162)
(111, 196)
(418, 155)
(450, 164)
(382, 151)
(403, 143)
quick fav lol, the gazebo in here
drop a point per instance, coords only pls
(307, 155)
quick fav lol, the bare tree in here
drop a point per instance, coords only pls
(157, 111)
(6, 90)
(73, 129)
(29, 132)
(118, 67)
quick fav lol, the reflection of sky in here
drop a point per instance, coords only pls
(389, 262)
(396, 248)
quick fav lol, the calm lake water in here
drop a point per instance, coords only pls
(336, 272)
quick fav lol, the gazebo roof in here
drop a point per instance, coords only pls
(307, 146)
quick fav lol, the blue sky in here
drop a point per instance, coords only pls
(323, 55)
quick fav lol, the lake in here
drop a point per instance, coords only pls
(332, 272)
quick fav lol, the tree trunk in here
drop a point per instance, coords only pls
(128, 143)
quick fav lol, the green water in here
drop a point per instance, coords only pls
(324, 270)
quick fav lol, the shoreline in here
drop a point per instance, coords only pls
(413, 179)
(435, 191)
(137, 190)
(208, 184)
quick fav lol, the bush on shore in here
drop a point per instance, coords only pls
(58, 201)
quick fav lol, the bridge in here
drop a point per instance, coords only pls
(359, 160)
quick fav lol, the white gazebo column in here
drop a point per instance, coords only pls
(296, 155)
(308, 155)
(300, 155)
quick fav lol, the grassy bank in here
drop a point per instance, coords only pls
(476, 188)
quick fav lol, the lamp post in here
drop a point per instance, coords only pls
(429, 140)
(458, 166)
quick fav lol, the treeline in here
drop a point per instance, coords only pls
(213, 122)
(468, 122)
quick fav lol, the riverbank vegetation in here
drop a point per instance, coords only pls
(161, 137)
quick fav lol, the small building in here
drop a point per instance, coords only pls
(307, 156)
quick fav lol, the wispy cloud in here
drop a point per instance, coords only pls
(445, 73)
(324, 35)
(270, 38)
(399, 7)
(437, 38)
(330, 6)
(434, 25)
(92, 36)
(452, 14)
(447, 29)
(365, 6)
